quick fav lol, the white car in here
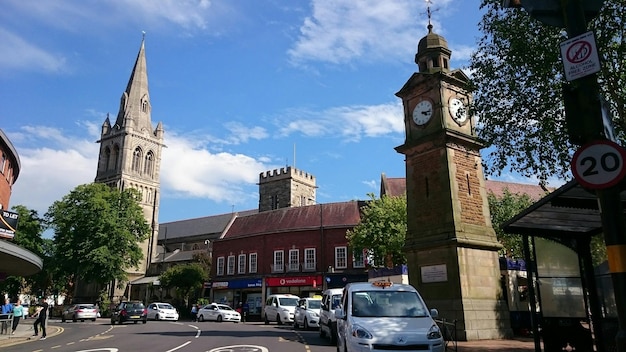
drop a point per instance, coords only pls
(381, 315)
(219, 313)
(162, 311)
(280, 308)
(307, 313)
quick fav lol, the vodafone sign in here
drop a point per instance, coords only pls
(293, 281)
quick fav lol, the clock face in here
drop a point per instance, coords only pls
(422, 112)
(458, 111)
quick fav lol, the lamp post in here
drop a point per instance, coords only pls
(585, 125)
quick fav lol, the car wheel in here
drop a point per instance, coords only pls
(278, 321)
(201, 317)
(94, 319)
(156, 317)
(306, 324)
(82, 320)
(63, 319)
(322, 333)
(296, 326)
(267, 321)
(74, 318)
(219, 318)
(112, 322)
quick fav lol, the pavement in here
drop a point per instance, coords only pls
(24, 332)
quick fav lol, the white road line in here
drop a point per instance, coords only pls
(179, 347)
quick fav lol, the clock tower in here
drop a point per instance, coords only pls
(451, 247)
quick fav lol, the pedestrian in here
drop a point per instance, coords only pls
(7, 309)
(42, 315)
(18, 313)
(194, 312)
(246, 310)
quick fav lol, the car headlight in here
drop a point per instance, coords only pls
(313, 314)
(360, 332)
(434, 332)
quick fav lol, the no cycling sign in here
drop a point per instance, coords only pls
(580, 56)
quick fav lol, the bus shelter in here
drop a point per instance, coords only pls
(571, 298)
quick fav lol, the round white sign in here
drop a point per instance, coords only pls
(599, 164)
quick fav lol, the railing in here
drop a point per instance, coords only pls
(448, 332)
(277, 268)
(6, 324)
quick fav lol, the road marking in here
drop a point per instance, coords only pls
(179, 347)
(234, 348)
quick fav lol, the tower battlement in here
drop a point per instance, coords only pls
(286, 173)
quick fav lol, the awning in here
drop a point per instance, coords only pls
(153, 280)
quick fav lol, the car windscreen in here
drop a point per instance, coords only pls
(385, 303)
(225, 308)
(165, 306)
(86, 306)
(288, 301)
(315, 304)
(135, 306)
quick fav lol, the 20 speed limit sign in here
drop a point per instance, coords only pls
(599, 164)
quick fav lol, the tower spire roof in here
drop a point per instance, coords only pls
(433, 54)
(135, 102)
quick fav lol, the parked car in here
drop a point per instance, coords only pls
(162, 311)
(219, 313)
(280, 308)
(126, 311)
(307, 313)
(81, 311)
(331, 300)
(375, 314)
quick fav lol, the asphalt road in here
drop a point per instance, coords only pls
(100, 336)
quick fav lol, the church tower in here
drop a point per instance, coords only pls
(451, 247)
(285, 188)
(130, 154)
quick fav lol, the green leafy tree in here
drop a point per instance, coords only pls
(185, 278)
(382, 230)
(517, 75)
(97, 231)
(503, 209)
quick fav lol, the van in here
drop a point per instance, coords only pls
(331, 300)
(383, 313)
(280, 308)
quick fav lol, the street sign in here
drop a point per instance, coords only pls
(599, 164)
(580, 56)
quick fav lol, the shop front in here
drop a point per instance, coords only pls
(236, 291)
(301, 286)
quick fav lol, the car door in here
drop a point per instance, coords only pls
(299, 312)
(212, 313)
(152, 309)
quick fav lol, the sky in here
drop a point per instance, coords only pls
(241, 87)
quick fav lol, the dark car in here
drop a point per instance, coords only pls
(133, 311)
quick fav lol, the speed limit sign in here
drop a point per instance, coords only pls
(599, 164)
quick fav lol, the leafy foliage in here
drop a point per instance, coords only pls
(503, 209)
(517, 77)
(96, 233)
(382, 230)
(185, 278)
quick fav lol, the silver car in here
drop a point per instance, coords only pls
(162, 311)
(219, 313)
(82, 312)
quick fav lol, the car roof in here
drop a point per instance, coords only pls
(312, 299)
(379, 286)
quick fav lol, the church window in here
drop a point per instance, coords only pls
(115, 156)
(137, 160)
(274, 201)
(144, 106)
(107, 158)
(469, 190)
(149, 164)
(3, 163)
(445, 63)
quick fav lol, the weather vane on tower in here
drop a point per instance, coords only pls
(429, 12)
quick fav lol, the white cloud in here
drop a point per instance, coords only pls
(339, 31)
(349, 122)
(18, 54)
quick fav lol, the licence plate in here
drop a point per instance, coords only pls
(134, 317)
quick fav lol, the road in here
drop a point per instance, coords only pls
(100, 336)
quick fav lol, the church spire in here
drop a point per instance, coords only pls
(135, 105)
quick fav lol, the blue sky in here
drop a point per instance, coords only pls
(241, 87)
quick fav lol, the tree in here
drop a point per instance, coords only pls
(97, 231)
(185, 278)
(517, 77)
(503, 209)
(382, 230)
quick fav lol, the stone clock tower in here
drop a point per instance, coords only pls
(451, 247)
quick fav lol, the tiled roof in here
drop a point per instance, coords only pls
(205, 226)
(395, 186)
(345, 214)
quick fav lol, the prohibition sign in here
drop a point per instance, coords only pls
(579, 52)
(599, 164)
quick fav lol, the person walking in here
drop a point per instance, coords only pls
(18, 313)
(194, 312)
(41, 319)
(7, 309)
